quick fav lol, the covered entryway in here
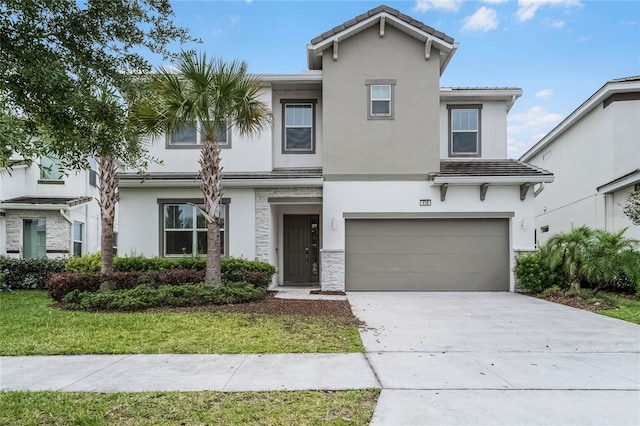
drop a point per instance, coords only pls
(427, 254)
(301, 249)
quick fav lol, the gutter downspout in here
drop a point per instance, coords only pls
(63, 213)
(539, 190)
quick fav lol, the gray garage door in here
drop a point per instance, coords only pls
(427, 254)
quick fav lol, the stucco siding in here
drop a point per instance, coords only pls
(406, 144)
(404, 197)
(601, 147)
(139, 227)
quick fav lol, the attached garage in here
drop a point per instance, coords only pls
(427, 254)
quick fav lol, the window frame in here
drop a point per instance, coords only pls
(55, 162)
(75, 241)
(369, 84)
(285, 103)
(478, 109)
(198, 141)
(162, 202)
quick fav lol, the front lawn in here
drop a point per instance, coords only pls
(353, 407)
(29, 325)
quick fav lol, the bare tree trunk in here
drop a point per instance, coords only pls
(107, 202)
(211, 174)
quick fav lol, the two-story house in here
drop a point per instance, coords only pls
(45, 212)
(604, 133)
(372, 177)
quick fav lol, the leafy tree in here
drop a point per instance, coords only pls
(632, 207)
(53, 56)
(213, 95)
(568, 251)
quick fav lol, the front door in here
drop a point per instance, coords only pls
(301, 251)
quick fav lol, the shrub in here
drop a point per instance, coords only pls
(87, 263)
(242, 270)
(144, 296)
(29, 273)
(534, 273)
(143, 264)
(59, 284)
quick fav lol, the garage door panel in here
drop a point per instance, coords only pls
(425, 264)
(435, 245)
(427, 254)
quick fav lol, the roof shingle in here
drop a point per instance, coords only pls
(490, 168)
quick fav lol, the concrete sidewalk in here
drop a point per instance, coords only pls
(228, 373)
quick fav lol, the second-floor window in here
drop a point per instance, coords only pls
(51, 169)
(190, 137)
(298, 127)
(464, 130)
(380, 99)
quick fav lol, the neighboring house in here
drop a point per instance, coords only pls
(595, 156)
(372, 177)
(47, 213)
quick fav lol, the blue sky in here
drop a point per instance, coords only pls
(558, 51)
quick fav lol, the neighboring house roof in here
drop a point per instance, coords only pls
(490, 171)
(405, 23)
(612, 87)
(623, 181)
(44, 202)
(294, 177)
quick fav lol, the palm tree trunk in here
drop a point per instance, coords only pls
(107, 202)
(211, 174)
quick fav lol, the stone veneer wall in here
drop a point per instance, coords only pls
(332, 272)
(263, 214)
(58, 230)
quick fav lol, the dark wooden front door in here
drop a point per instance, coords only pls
(301, 251)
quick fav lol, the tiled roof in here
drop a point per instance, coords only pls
(490, 168)
(623, 79)
(69, 201)
(391, 11)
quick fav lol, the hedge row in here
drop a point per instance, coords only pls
(28, 273)
(34, 273)
(60, 284)
(144, 297)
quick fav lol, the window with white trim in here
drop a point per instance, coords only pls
(190, 137)
(184, 229)
(464, 130)
(381, 99)
(298, 127)
(78, 238)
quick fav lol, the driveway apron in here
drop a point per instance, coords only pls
(499, 359)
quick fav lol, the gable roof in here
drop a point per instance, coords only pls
(611, 87)
(394, 17)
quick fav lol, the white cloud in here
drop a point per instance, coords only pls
(528, 127)
(484, 19)
(495, 1)
(234, 19)
(544, 93)
(444, 5)
(557, 24)
(249, 1)
(584, 38)
(528, 8)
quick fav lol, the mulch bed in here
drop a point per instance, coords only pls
(580, 303)
(339, 310)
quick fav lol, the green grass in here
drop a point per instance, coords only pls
(30, 326)
(354, 407)
(627, 309)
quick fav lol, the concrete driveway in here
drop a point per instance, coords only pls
(499, 359)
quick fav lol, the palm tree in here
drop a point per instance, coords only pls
(612, 258)
(215, 95)
(568, 251)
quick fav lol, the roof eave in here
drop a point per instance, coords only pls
(447, 49)
(496, 180)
